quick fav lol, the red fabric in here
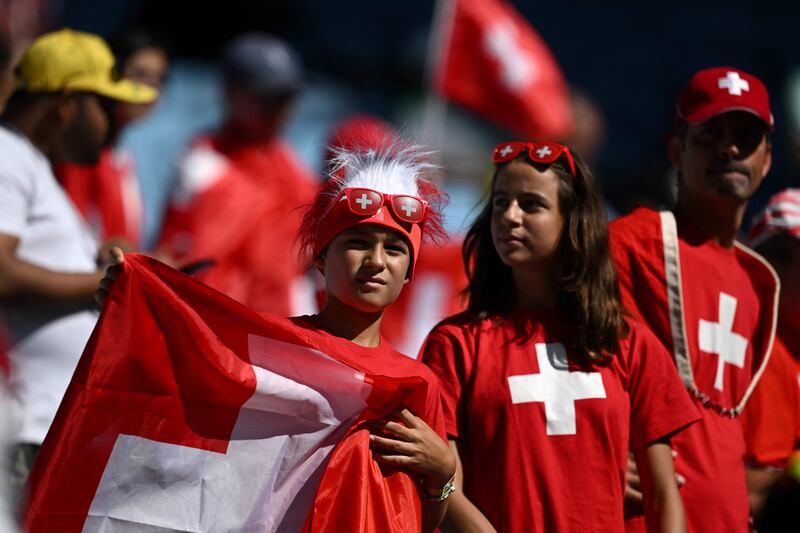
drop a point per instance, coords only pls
(494, 63)
(518, 475)
(772, 418)
(709, 454)
(107, 195)
(188, 387)
(356, 493)
(243, 213)
(432, 294)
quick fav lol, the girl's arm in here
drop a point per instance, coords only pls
(462, 515)
(663, 507)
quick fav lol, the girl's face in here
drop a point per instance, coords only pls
(365, 267)
(526, 218)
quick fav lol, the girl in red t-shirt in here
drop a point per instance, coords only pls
(364, 232)
(545, 383)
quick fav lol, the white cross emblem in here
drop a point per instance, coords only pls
(733, 83)
(505, 151)
(557, 387)
(543, 152)
(408, 208)
(159, 486)
(363, 201)
(719, 338)
(518, 69)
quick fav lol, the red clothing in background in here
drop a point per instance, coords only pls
(240, 206)
(772, 418)
(107, 195)
(433, 294)
(544, 444)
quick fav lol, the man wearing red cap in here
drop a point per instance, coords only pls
(710, 300)
(772, 418)
(237, 191)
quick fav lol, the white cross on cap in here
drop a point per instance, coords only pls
(557, 387)
(543, 152)
(734, 83)
(363, 201)
(505, 151)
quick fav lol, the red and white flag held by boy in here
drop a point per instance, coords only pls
(191, 412)
(493, 62)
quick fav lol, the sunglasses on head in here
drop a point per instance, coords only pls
(366, 202)
(538, 152)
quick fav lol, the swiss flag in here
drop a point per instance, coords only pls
(494, 63)
(190, 412)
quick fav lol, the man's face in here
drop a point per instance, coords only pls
(85, 135)
(722, 159)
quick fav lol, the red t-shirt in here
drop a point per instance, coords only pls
(239, 205)
(772, 418)
(545, 448)
(108, 195)
(343, 503)
(729, 309)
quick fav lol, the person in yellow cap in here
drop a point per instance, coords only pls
(49, 264)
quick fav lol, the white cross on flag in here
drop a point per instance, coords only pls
(557, 387)
(190, 412)
(493, 62)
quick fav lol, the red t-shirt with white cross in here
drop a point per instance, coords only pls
(729, 297)
(545, 443)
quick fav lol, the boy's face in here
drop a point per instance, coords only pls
(365, 267)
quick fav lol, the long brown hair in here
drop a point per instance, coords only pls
(588, 293)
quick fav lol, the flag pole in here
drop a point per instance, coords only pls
(435, 108)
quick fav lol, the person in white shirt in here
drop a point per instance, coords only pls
(48, 259)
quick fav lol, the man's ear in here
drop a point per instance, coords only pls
(66, 106)
(675, 152)
(767, 159)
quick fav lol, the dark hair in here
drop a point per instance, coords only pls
(588, 293)
(128, 42)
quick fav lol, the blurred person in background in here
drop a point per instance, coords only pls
(108, 194)
(234, 203)
(49, 262)
(710, 300)
(772, 418)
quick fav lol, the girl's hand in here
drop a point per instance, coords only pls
(414, 445)
(117, 258)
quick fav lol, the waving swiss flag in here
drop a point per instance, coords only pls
(190, 412)
(494, 63)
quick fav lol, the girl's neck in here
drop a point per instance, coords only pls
(343, 321)
(536, 288)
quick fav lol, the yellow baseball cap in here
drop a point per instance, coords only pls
(76, 61)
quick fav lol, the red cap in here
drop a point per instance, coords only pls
(717, 90)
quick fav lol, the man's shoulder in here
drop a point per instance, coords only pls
(642, 221)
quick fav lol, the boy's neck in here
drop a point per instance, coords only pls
(343, 321)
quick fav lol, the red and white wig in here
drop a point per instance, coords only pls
(389, 183)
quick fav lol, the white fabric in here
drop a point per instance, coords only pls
(557, 387)
(266, 479)
(48, 338)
